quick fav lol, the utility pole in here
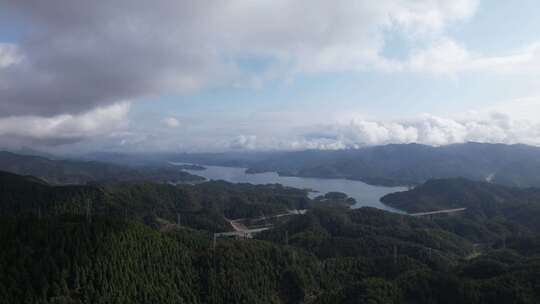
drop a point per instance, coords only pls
(395, 255)
(178, 218)
(264, 218)
(213, 279)
(286, 237)
(88, 211)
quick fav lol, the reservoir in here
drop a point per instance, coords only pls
(364, 194)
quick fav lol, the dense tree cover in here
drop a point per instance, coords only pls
(335, 198)
(482, 198)
(372, 256)
(64, 172)
(192, 167)
(368, 232)
(493, 211)
(247, 200)
(129, 250)
(67, 260)
(202, 206)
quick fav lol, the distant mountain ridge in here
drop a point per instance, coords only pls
(63, 172)
(397, 164)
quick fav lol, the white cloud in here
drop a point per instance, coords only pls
(244, 142)
(427, 129)
(446, 56)
(432, 15)
(9, 55)
(443, 57)
(178, 46)
(525, 60)
(171, 122)
(100, 121)
(511, 122)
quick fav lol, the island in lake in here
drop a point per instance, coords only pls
(193, 167)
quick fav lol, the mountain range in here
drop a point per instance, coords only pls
(395, 164)
(71, 171)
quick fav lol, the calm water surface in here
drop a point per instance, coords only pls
(364, 194)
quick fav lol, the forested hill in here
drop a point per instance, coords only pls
(129, 248)
(440, 194)
(81, 172)
(201, 206)
(396, 164)
(483, 201)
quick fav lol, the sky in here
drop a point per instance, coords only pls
(201, 75)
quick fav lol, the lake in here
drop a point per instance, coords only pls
(364, 194)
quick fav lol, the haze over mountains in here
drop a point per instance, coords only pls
(407, 164)
(58, 171)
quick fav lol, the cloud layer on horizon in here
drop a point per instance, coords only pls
(487, 127)
(64, 128)
(109, 128)
(64, 79)
(426, 129)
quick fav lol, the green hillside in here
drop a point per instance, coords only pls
(64, 172)
(118, 243)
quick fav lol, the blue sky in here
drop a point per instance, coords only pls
(498, 27)
(195, 76)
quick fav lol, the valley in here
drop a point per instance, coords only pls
(223, 242)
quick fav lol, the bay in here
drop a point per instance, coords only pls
(364, 194)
